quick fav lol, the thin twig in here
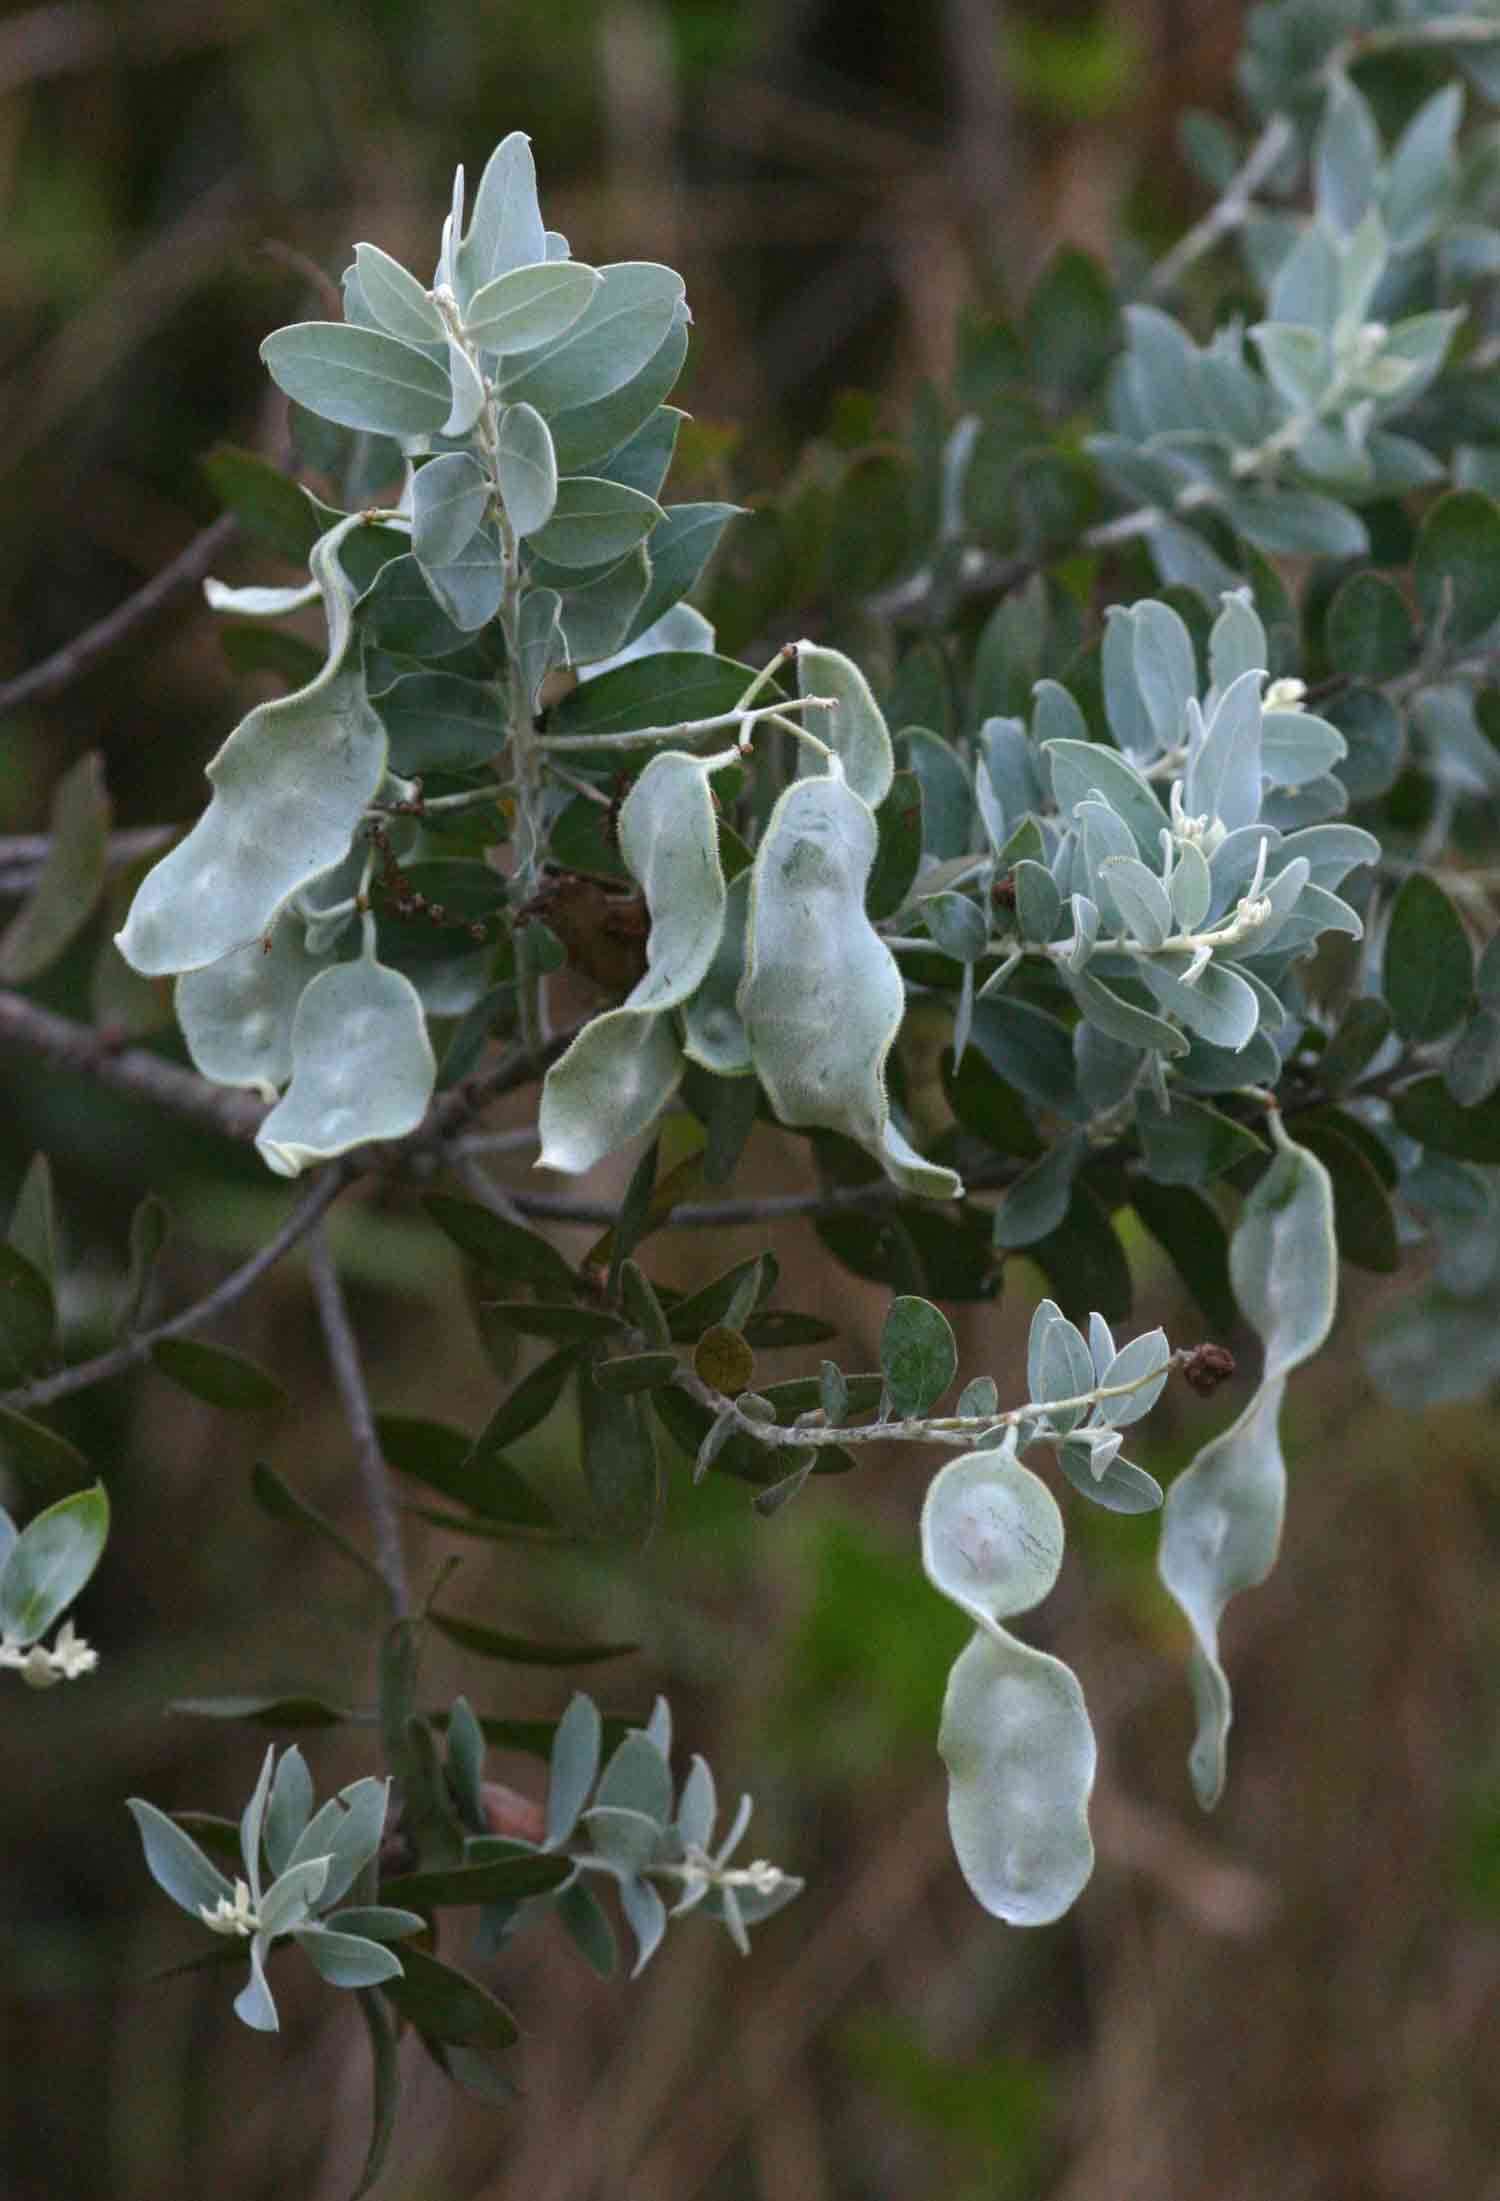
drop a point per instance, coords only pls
(349, 1376)
(74, 658)
(318, 1198)
(23, 855)
(1228, 212)
(134, 1071)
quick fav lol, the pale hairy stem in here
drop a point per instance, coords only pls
(305, 1217)
(953, 1429)
(689, 729)
(349, 1377)
(1229, 211)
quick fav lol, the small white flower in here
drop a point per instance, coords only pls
(237, 1917)
(37, 1669)
(41, 1668)
(1285, 695)
(71, 1654)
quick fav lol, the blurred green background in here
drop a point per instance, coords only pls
(1293, 1999)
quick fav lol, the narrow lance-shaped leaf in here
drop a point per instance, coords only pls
(1015, 1734)
(50, 1562)
(822, 999)
(290, 786)
(72, 877)
(624, 1066)
(1222, 1521)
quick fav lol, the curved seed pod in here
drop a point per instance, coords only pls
(713, 1033)
(1015, 1734)
(822, 998)
(290, 785)
(623, 1067)
(855, 728)
(236, 1015)
(1222, 1521)
(362, 1068)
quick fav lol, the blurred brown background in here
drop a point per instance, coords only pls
(1297, 1998)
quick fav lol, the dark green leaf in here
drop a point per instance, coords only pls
(1428, 1112)
(28, 1321)
(448, 2005)
(636, 1372)
(681, 546)
(988, 1107)
(1472, 1070)
(1363, 1222)
(1071, 325)
(799, 1394)
(529, 1403)
(869, 536)
(914, 1251)
(385, 2090)
(501, 1248)
(1187, 1227)
(148, 1230)
(218, 1377)
(72, 877)
(619, 1462)
(1457, 566)
(491, 1643)
(635, 1211)
(588, 1926)
(524, 1872)
(1084, 1262)
(540, 1318)
(1429, 967)
(284, 1711)
(476, 1474)
(898, 850)
(779, 1327)
(440, 723)
(47, 1464)
(1359, 1036)
(277, 1498)
(918, 1355)
(253, 647)
(1192, 1143)
(272, 510)
(692, 1316)
(1370, 635)
(661, 690)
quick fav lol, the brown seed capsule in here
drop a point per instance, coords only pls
(1207, 1366)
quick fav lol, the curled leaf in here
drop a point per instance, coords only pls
(236, 1014)
(362, 1068)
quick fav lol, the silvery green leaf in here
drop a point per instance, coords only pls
(1059, 1364)
(1420, 343)
(1297, 523)
(1165, 671)
(1101, 1347)
(587, 434)
(991, 814)
(1223, 777)
(1222, 1522)
(713, 1033)
(627, 319)
(627, 1840)
(288, 1809)
(50, 1562)
(349, 1836)
(252, 1818)
(1316, 799)
(362, 1068)
(658, 1728)
(1235, 862)
(539, 638)
(529, 307)
(638, 1778)
(468, 588)
(396, 299)
(287, 1902)
(290, 786)
(644, 459)
(1421, 180)
(681, 545)
(1036, 1203)
(453, 229)
(978, 1399)
(1219, 1005)
(360, 378)
(1346, 156)
(449, 496)
(258, 603)
(557, 245)
(1122, 1020)
(808, 944)
(1472, 1071)
(176, 1863)
(467, 386)
(1160, 362)
(855, 729)
(646, 1915)
(1148, 1356)
(505, 230)
(1140, 898)
(1191, 887)
(1124, 705)
(1011, 755)
(1297, 360)
(1362, 263)
(236, 1014)
(357, 309)
(526, 468)
(1104, 834)
(1121, 1488)
(253, 2004)
(597, 616)
(1307, 286)
(348, 1960)
(624, 1066)
(1085, 930)
(9, 1532)
(1084, 768)
(1237, 642)
(1316, 911)
(698, 1807)
(1296, 747)
(574, 1768)
(1015, 1735)
(594, 522)
(1038, 903)
(1238, 402)
(956, 924)
(1107, 1070)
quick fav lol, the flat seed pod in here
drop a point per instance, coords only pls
(362, 1068)
(236, 1015)
(1222, 1522)
(1015, 1735)
(822, 998)
(289, 788)
(624, 1066)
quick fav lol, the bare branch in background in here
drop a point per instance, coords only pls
(349, 1375)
